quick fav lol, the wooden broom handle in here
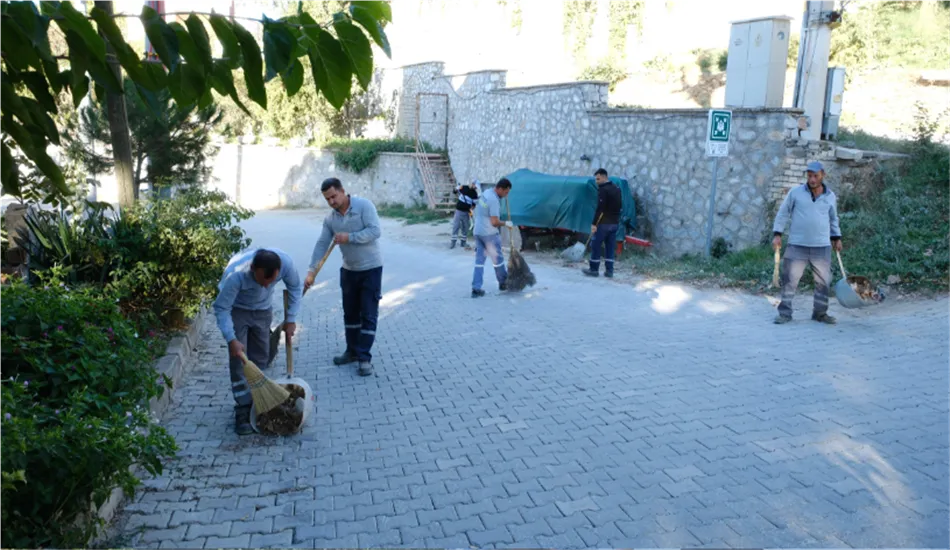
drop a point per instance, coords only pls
(511, 236)
(589, 237)
(290, 347)
(841, 265)
(323, 260)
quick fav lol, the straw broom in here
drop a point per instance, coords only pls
(265, 393)
(519, 274)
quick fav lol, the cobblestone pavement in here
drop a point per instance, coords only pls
(581, 413)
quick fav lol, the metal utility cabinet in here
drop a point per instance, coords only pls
(834, 90)
(758, 54)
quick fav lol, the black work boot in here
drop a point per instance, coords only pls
(242, 420)
(345, 359)
(451, 246)
(590, 272)
(366, 368)
(609, 274)
(477, 293)
(502, 286)
(824, 318)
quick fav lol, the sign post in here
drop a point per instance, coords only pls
(718, 127)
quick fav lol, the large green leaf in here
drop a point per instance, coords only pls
(357, 49)
(161, 37)
(178, 88)
(8, 171)
(18, 132)
(68, 19)
(332, 72)
(35, 151)
(12, 103)
(223, 82)
(253, 66)
(43, 122)
(123, 52)
(293, 78)
(17, 49)
(206, 99)
(200, 37)
(156, 76)
(301, 43)
(229, 42)
(193, 80)
(78, 65)
(79, 87)
(189, 51)
(279, 45)
(57, 80)
(36, 83)
(379, 10)
(34, 26)
(152, 105)
(372, 26)
(80, 62)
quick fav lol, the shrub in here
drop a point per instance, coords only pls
(75, 378)
(357, 155)
(161, 259)
(607, 71)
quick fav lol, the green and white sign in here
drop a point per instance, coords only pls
(717, 136)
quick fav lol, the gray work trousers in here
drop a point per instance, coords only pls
(460, 224)
(796, 259)
(252, 329)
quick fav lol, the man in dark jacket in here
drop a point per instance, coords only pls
(605, 224)
(467, 195)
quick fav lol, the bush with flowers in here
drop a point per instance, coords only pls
(76, 380)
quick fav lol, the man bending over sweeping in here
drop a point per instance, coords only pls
(354, 226)
(243, 310)
(811, 211)
(487, 237)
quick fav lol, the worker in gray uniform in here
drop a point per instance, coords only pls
(354, 226)
(243, 311)
(811, 212)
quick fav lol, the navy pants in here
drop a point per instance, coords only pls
(362, 291)
(606, 235)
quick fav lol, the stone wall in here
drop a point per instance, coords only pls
(262, 176)
(569, 129)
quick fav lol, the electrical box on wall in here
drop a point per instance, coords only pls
(758, 54)
(834, 91)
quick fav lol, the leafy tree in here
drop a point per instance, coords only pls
(32, 75)
(174, 143)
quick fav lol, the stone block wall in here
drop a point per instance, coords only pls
(569, 129)
(662, 154)
(262, 177)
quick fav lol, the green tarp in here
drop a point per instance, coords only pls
(562, 202)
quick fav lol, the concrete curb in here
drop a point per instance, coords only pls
(179, 357)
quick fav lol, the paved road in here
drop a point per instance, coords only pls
(582, 413)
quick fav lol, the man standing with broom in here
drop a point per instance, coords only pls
(487, 237)
(604, 226)
(354, 226)
(811, 211)
(243, 311)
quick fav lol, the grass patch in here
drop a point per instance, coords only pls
(750, 268)
(411, 215)
(859, 139)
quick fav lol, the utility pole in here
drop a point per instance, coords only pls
(812, 71)
(119, 127)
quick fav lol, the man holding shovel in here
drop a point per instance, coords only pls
(812, 211)
(354, 227)
(243, 311)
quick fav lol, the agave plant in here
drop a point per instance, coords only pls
(75, 242)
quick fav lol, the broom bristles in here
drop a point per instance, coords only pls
(519, 274)
(265, 393)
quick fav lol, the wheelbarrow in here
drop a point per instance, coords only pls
(846, 294)
(306, 404)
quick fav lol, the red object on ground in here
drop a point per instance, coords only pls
(637, 241)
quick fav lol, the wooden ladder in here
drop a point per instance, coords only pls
(438, 180)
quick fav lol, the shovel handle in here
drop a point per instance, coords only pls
(844, 275)
(511, 236)
(323, 260)
(287, 337)
(589, 237)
